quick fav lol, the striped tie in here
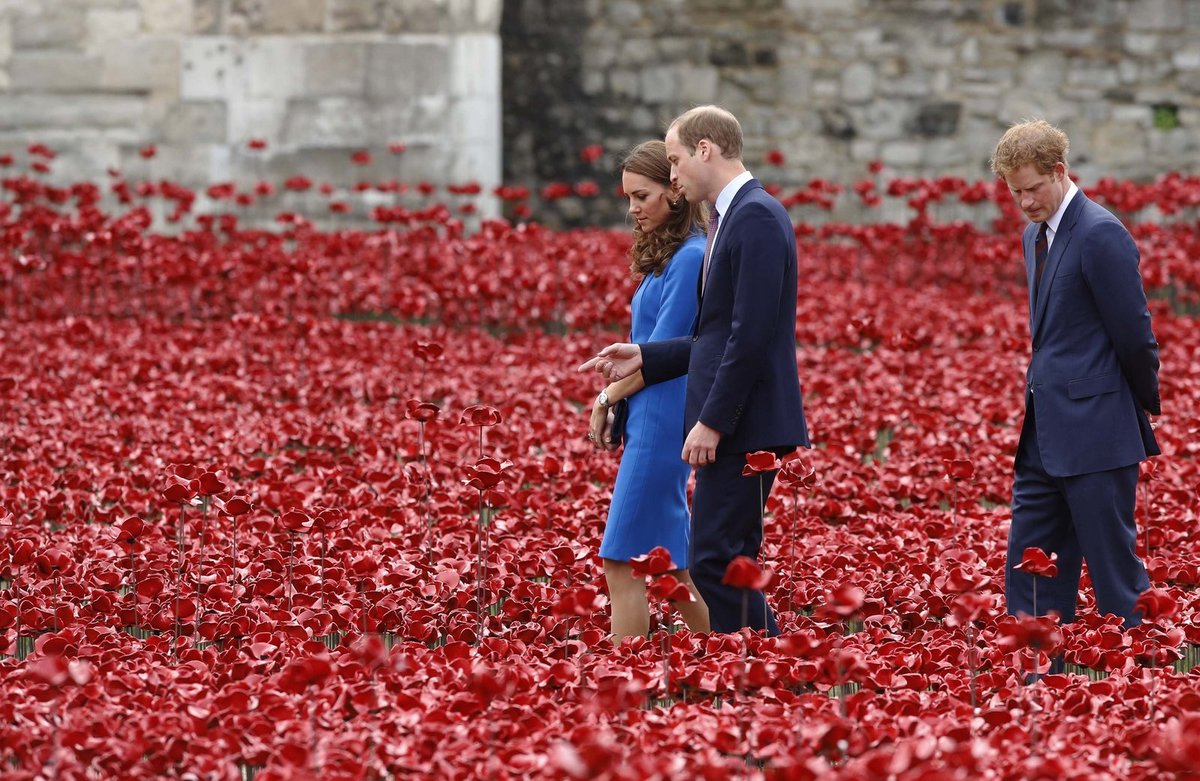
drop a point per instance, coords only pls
(714, 220)
(1041, 249)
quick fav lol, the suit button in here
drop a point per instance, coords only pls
(695, 338)
(1036, 348)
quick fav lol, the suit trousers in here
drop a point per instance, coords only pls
(727, 522)
(1082, 518)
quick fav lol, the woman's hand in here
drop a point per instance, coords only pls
(600, 427)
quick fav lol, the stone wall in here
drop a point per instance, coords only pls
(925, 86)
(101, 80)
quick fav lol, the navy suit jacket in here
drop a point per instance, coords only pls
(1094, 367)
(740, 359)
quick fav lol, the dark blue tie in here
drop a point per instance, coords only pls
(714, 221)
(1041, 249)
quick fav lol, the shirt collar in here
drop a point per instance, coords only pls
(726, 196)
(1052, 223)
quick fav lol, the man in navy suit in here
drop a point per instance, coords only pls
(1092, 379)
(743, 389)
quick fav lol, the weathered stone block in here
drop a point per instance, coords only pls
(211, 68)
(803, 8)
(413, 16)
(864, 150)
(107, 27)
(208, 17)
(836, 122)
(476, 16)
(475, 65)
(881, 119)
(327, 122)
(49, 25)
(729, 54)
(53, 71)
(1042, 71)
(406, 68)
(1140, 115)
(858, 82)
(1119, 144)
(6, 32)
(1187, 58)
(624, 83)
(195, 121)
(196, 163)
(167, 16)
(273, 66)
(902, 154)
(83, 158)
(660, 84)
(933, 120)
(256, 117)
(293, 16)
(698, 85)
(100, 112)
(593, 83)
(141, 64)
(475, 121)
(411, 119)
(1155, 15)
(1098, 76)
(1141, 44)
(334, 68)
(623, 13)
(353, 15)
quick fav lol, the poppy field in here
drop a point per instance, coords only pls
(306, 501)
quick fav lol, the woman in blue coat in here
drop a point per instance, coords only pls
(649, 503)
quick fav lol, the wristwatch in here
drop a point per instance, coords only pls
(602, 399)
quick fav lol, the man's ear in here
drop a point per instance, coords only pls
(1060, 170)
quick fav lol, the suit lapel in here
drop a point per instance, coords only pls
(722, 232)
(1030, 264)
(1062, 238)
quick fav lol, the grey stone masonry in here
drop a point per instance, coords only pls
(104, 81)
(924, 86)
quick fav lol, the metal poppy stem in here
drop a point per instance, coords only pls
(425, 496)
(666, 662)
(321, 603)
(743, 687)
(1146, 504)
(181, 534)
(792, 551)
(480, 553)
(233, 550)
(200, 567)
(133, 579)
(971, 663)
(291, 548)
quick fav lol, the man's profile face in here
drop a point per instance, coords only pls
(1038, 195)
(686, 168)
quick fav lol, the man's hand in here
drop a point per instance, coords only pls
(700, 447)
(616, 361)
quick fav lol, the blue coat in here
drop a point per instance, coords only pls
(1094, 367)
(740, 359)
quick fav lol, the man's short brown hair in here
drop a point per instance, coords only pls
(711, 122)
(1033, 141)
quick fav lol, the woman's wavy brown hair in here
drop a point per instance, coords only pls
(652, 250)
